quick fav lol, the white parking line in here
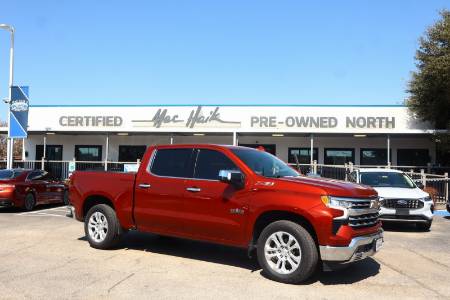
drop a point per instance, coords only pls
(42, 215)
(43, 211)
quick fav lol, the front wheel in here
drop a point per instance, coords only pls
(287, 252)
(102, 227)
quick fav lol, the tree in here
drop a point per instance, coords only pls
(429, 87)
(17, 153)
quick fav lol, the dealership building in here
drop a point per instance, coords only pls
(329, 134)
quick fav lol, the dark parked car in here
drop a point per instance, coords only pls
(27, 188)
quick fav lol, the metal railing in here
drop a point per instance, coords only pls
(435, 184)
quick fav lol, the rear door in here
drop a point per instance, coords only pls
(214, 210)
(160, 190)
(36, 181)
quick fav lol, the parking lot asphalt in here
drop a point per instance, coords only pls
(45, 255)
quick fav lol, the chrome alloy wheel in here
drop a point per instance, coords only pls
(98, 227)
(283, 253)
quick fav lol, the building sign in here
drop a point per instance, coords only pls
(90, 121)
(323, 122)
(197, 117)
(18, 112)
(246, 119)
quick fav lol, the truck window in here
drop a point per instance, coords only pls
(210, 162)
(172, 163)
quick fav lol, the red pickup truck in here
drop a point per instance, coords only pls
(235, 196)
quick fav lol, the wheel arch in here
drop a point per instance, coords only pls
(268, 217)
(93, 200)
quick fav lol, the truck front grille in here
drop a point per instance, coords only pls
(402, 203)
(365, 220)
(362, 215)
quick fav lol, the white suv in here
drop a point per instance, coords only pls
(401, 199)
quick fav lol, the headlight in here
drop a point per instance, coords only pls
(426, 199)
(337, 201)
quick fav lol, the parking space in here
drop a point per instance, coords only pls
(45, 255)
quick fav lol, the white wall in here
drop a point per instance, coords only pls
(282, 143)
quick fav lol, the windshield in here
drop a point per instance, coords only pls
(265, 164)
(387, 179)
(9, 174)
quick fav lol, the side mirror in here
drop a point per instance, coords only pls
(420, 185)
(232, 177)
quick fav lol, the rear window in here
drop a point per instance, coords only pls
(172, 163)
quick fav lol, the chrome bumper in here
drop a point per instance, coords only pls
(70, 212)
(359, 248)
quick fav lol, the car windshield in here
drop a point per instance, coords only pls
(265, 164)
(387, 179)
(9, 174)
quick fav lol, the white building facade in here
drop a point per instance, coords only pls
(334, 134)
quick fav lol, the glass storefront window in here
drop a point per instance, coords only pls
(413, 157)
(373, 156)
(339, 156)
(303, 154)
(88, 153)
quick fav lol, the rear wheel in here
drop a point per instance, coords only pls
(287, 252)
(29, 202)
(424, 226)
(102, 227)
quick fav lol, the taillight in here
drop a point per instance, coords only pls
(6, 186)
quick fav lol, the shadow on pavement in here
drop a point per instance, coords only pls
(401, 227)
(37, 208)
(355, 272)
(235, 257)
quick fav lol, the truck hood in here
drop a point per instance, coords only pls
(393, 192)
(334, 187)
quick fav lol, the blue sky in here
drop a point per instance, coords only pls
(214, 52)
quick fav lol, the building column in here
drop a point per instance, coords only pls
(235, 138)
(44, 152)
(311, 150)
(106, 152)
(23, 150)
(171, 139)
(388, 150)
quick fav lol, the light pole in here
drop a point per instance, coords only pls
(10, 143)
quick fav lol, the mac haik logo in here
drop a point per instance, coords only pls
(198, 117)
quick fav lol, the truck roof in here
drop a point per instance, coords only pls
(374, 170)
(202, 145)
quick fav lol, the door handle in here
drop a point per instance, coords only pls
(144, 185)
(194, 189)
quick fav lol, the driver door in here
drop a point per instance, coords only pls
(214, 210)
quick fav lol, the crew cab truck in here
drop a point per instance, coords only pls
(234, 196)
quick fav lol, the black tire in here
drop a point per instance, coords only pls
(309, 254)
(29, 202)
(66, 198)
(424, 226)
(113, 232)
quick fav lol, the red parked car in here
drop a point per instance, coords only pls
(27, 188)
(235, 196)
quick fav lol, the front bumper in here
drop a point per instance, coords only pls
(424, 214)
(359, 248)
